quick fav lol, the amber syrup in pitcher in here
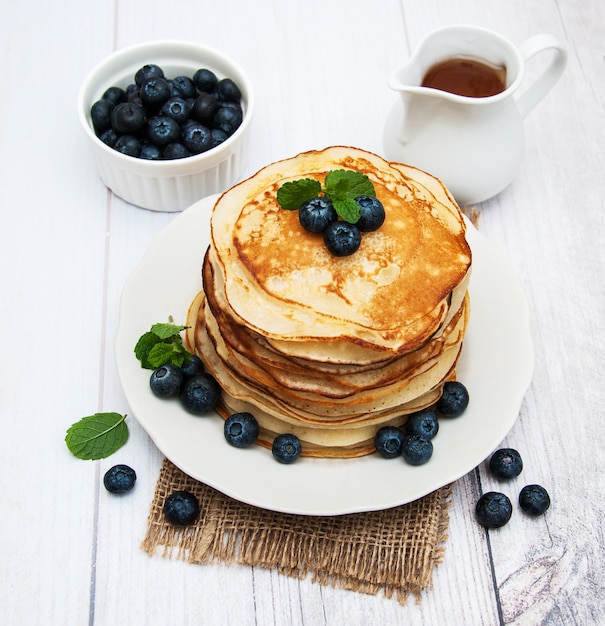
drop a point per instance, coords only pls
(466, 77)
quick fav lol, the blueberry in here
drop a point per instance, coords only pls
(314, 215)
(119, 479)
(147, 71)
(150, 152)
(200, 393)
(493, 509)
(182, 86)
(286, 448)
(163, 130)
(197, 138)
(416, 449)
(388, 441)
(175, 150)
(100, 114)
(228, 90)
(454, 399)
(205, 80)
(109, 137)
(342, 238)
(241, 429)
(166, 381)
(181, 508)
(218, 136)
(193, 367)
(154, 92)
(534, 500)
(204, 108)
(114, 95)
(129, 145)
(506, 463)
(371, 213)
(128, 118)
(134, 97)
(228, 119)
(176, 108)
(423, 422)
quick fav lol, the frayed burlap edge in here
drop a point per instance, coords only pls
(392, 551)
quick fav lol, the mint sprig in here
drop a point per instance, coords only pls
(340, 186)
(97, 436)
(161, 345)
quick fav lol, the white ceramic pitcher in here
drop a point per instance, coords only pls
(474, 145)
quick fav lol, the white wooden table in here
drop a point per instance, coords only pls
(69, 552)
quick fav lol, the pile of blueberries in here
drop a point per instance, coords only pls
(318, 215)
(494, 509)
(199, 393)
(415, 442)
(168, 118)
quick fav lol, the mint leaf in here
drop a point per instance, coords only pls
(166, 331)
(167, 352)
(160, 346)
(343, 184)
(292, 194)
(97, 436)
(347, 209)
(144, 346)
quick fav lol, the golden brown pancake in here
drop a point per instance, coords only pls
(332, 348)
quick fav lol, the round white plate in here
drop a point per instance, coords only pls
(496, 366)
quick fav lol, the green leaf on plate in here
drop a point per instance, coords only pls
(97, 436)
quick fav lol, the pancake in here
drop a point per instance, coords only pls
(332, 348)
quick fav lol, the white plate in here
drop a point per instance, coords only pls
(496, 367)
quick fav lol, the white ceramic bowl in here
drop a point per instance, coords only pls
(170, 185)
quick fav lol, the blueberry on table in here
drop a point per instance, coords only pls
(286, 448)
(371, 213)
(416, 449)
(166, 381)
(128, 118)
(200, 394)
(424, 422)
(181, 508)
(342, 238)
(241, 429)
(454, 399)
(316, 214)
(493, 510)
(388, 441)
(534, 500)
(119, 479)
(506, 463)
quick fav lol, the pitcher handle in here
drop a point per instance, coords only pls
(547, 80)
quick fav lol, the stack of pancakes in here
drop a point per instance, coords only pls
(332, 348)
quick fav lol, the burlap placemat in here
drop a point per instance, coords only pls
(392, 551)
